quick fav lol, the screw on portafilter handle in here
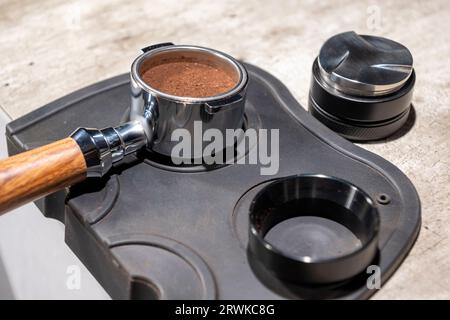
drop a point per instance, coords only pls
(87, 153)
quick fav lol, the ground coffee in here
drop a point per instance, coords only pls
(188, 79)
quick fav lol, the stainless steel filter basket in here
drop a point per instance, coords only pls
(161, 113)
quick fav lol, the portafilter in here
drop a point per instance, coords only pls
(153, 116)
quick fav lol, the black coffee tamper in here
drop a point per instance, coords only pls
(362, 86)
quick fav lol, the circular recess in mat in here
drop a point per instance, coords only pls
(161, 268)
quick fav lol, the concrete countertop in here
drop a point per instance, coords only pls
(51, 48)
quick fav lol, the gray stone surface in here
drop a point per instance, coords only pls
(51, 48)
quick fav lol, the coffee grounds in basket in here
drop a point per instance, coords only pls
(188, 79)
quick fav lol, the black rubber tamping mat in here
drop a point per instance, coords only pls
(151, 230)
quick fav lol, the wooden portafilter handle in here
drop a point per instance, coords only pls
(33, 174)
(36, 173)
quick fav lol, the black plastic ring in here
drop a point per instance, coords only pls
(358, 131)
(317, 196)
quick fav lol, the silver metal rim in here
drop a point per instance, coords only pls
(243, 77)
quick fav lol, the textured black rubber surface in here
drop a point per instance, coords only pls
(152, 231)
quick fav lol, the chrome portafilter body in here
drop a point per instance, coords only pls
(154, 115)
(161, 113)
